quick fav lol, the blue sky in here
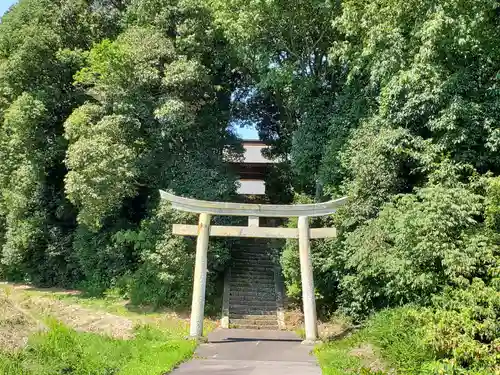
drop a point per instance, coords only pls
(245, 133)
(5, 5)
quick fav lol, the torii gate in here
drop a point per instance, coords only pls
(204, 230)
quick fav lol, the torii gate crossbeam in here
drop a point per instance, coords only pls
(204, 230)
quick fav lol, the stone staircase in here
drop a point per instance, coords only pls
(253, 302)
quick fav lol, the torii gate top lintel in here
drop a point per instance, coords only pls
(249, 209)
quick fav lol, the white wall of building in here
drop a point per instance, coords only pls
(252, 187)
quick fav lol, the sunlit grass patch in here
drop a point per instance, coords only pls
(62, 350)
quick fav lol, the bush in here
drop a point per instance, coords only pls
(416, 246)
(101, 259)
(399, 335)
(464, 330)
(164, 276)
(326, 266)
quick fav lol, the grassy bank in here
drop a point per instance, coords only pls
(47, 332)
(389, 343)
(457, 335)
(62, 350)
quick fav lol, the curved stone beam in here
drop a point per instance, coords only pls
(247, 209)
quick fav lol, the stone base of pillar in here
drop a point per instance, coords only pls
(281, 319)
(198, 339)
(311, 342)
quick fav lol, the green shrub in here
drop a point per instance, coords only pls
(327, 265)
(399, 335)
(101, 259)
(395, 341)
(464, 330)
(164, 276)
(458, 335)
(416, 246)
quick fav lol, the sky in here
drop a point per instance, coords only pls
(5, 5)
(245, 133)
(248, 133)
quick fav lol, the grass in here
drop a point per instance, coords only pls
(177, 323)
(389, 343)
(70, 334)
(64, 351)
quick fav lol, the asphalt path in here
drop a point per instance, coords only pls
(251, 352)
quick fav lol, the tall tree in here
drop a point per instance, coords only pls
(291, 85)
(36, 96)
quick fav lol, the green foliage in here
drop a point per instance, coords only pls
(61, 350)
(398, 333)
(165, 271)
(392, 339)
(464, 330)
(322, 252)
(493, 204)
(101, 104)
(417, 245)
(393, 103)
(457, 334)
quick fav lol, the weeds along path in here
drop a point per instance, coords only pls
(25, 310)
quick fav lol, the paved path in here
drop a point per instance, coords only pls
(251, 352)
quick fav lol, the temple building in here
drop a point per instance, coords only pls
(253, 169)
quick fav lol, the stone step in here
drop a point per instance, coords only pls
(268, 316)
(252, 298)
(251, 255)
(253, 280)
(256, 270)
(254, 312)
(264, 282)
(259, 308)
(255, 327)
(246, 270)
(254, 324)
(242, 273)
(259, 289)
(253, 295)
(252, 303)
(256, 291)
(242, 251)
(259, 282)
(246, 263)
(253, 266)
(257, 302)
(241, 286)
(253, 308)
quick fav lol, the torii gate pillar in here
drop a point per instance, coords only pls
(306, 273)
(200, 277)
